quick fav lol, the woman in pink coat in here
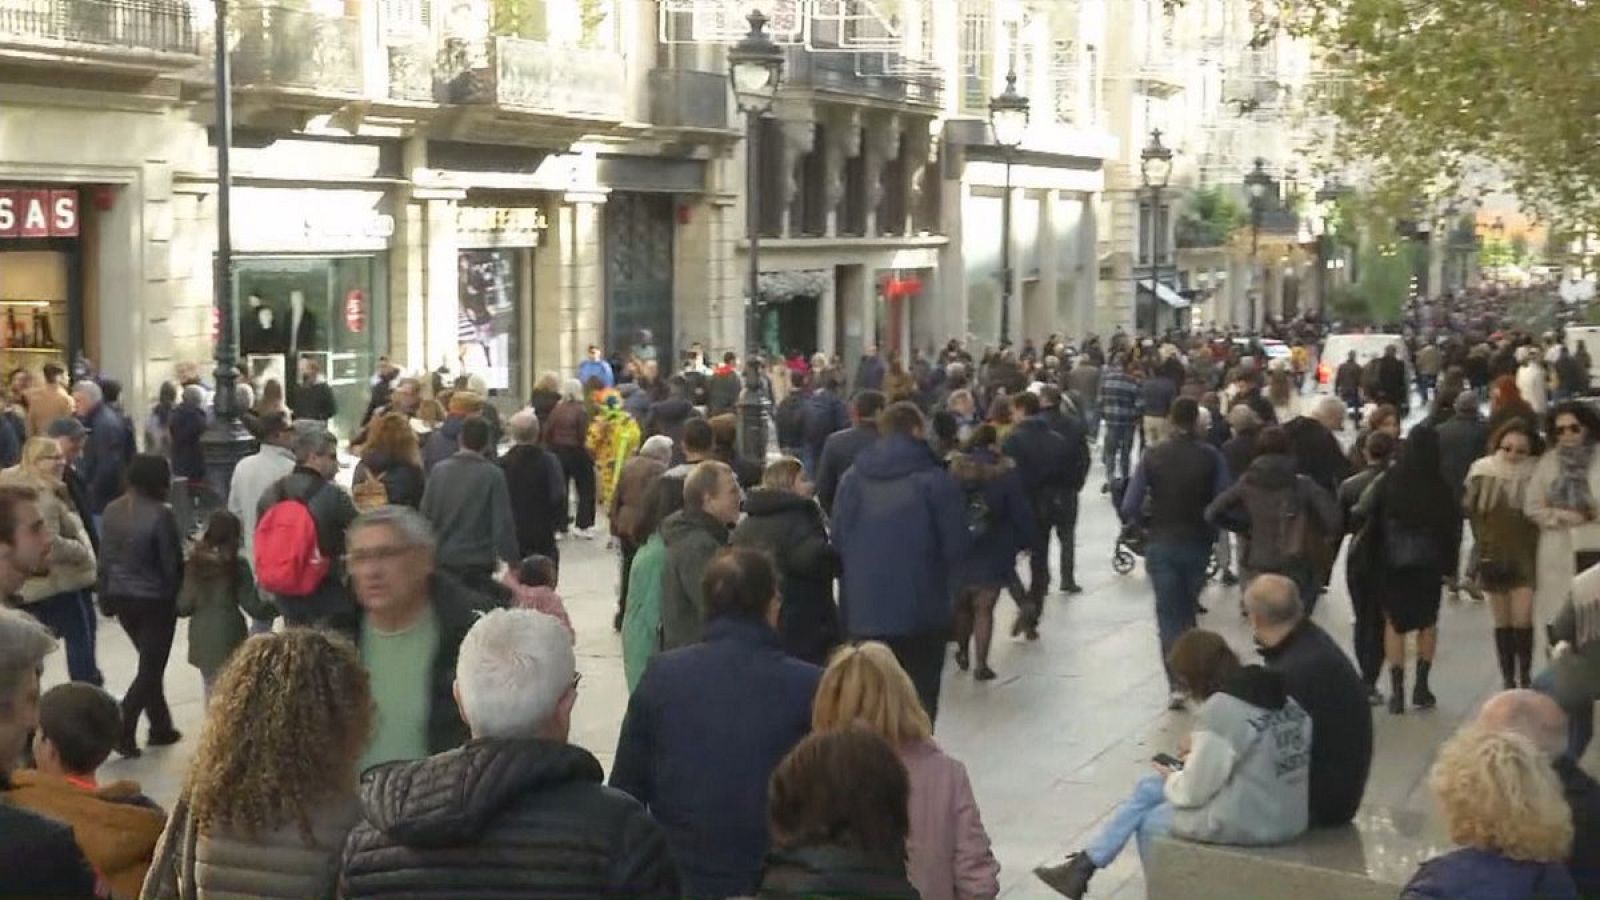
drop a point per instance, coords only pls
(948, 855)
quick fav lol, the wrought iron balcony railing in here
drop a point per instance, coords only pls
(150, 28)
(863, 74)
(531, 76)
(680, 98)
(297, 50)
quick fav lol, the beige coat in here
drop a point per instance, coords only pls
(72, 565)
(1558, 543)
(276, 866)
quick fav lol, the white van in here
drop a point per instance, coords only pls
(1337, 348)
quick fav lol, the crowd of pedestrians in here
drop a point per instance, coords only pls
(786, 614)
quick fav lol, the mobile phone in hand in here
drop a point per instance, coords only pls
(1168, 760)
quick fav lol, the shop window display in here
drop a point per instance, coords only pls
(324, 310)
(487, 324)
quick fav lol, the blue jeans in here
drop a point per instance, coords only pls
(66, 615)
(1118, 449)
(1144, 815)
(1580, 719)
(1177, 571)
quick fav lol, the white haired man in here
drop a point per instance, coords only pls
(525, 813)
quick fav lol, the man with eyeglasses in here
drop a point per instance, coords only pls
(406, 612)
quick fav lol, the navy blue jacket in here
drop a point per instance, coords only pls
(839, 453)
(704, 730)
(825, 415)
(105, 456)
(1042, 457)
(1012, 526)
(186, 425)
(1471, 874)
(899, 523)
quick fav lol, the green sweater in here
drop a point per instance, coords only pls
(641, 624)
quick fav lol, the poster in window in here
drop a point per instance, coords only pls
(487, 323)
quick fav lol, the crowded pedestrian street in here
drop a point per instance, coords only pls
(1051, 745)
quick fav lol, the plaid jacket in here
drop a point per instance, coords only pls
(1119, 398)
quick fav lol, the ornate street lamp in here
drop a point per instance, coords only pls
(1259, 184)
(1332, 191)
(225, 441)
(1008, 116)
(755, 67)
(1155, 167)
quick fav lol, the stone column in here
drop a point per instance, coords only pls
(442, 306)
(799, 137)
(1039, 311)
(582, 308)
(842, 132)
(1083, 309)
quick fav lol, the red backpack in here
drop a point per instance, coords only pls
(288, 560)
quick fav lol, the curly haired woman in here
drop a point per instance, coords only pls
(1504, 806)
(271, 794)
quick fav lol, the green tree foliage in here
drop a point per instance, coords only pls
(1208, 219)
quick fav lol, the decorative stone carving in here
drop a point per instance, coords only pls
(799, 137)
(883, 139)
(842, 133)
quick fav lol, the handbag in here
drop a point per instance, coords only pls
(1408, 548)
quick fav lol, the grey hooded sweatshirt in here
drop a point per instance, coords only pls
(1247, 778)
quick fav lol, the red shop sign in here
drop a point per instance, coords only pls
(38, 213)
(355, 310)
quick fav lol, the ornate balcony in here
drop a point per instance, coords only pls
(680, 98)
(297, 51)
(130, 35)
(533, 77)
(858, 74)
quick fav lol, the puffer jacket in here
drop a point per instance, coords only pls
(72, 563)
(1284, 513)
(503, 818)
(1472, 874)
(790, 527)
(272, 865)
(832, 871)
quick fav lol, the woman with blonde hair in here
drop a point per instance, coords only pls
(785, 521)
(1505, 808)
(948, 854)
(56, 599)
(272, 791)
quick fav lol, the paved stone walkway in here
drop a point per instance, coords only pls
(1052, 745)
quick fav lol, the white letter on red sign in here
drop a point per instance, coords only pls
(63, 213)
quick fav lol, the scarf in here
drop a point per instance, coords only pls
(1503, 484)
(1570, 488)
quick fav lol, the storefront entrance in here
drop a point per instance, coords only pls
(638, 241)
(41, 277)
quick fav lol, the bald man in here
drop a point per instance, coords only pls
(1321, 678)
(1538, 718)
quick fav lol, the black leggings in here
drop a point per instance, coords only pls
(150, 625)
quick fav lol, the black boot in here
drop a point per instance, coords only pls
(1421, 697)
(1522, 644)
(1505, 651)
(1071, 878)
(1397, 690)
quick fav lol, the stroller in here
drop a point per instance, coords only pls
(1133, 536)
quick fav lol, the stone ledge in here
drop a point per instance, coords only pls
(1371, 859)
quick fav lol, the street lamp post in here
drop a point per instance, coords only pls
(1008, 116)
(1155, 167)
(1259, 184)
(1329, 194)
(755, 67)
(225, 441)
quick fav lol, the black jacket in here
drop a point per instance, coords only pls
(503, 818)
(456, 608)
(1324, 682)
(1238, 451)
(186, 425)
(313, 401)
(1461, 441)
(1180, 476)
(790, 527)
(79, 493)
(1072, 430)
(332, 510)
(105, 456)
(1583, 796)
(142, 553)
(839, 453)
(39, 858)
(830, 871)
(723, 393)
(1042, 458)
(401, 480)
(538, 498)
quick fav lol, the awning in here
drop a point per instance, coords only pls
(1167, 295)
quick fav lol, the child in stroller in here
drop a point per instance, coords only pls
(1131, 538)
